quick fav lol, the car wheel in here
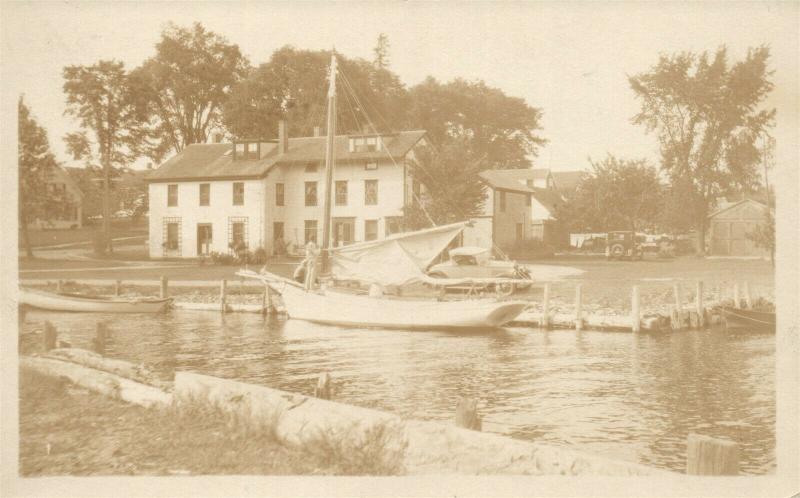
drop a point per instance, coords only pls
(505, 289)
(617, 251)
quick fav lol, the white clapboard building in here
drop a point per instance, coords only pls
(211, 197)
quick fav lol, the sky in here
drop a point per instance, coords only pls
(570, 59)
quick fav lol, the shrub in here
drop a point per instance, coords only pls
(221, 258)
(531, 248)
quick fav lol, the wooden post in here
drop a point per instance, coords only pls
(223, 290)
(736, 301)
(699, 306)
(164, 287)
(50, 335)
(578, 306)
(117, 287)
(707, 456)
(676, 290)
(636, 314)
(267, 304)
(747, 298)
(324, 388)
(467, 414)
(546, 307)
(99, 341)
(60, 286)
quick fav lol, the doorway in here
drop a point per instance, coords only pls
(204, 236)
(343, 231)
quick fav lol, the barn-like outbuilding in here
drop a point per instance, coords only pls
(730, 225)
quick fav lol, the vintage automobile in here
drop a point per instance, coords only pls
(623, 245)
(476, 262)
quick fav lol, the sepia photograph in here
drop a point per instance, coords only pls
(451, 245)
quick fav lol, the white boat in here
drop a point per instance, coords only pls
(333, 307)
(395, 261)
(100, 304)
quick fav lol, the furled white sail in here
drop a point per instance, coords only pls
(395, 260)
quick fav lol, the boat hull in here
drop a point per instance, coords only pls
(337, 308)
(60, 302)
(748, 319)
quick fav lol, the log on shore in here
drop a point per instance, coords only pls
(84, 357)
(429, 447)
(98, 381)
(567, 320)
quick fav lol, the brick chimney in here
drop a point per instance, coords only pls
(283, 137)
(317, 131)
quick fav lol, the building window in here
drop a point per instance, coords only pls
(252, 150)
(171, 236)
(279, 194)
(237, 232)
(311, 231)
(370, 192)
(529, 182)
(341, 193)
(238, 193)
(527, 199)
(519, 232)
(311, 168)
(311, 193)
(371, 166)
(239, 151)
(246, 150)
(205, 194)
(370, 229)
(372, 144)
(394, 224)
(502, 201)
(172, 195)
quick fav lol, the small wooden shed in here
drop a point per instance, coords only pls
(730, 225)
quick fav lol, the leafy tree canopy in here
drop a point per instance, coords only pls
(707, 116)
(617, 194)
(183, 88)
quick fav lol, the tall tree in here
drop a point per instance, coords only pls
(292, 86)
(36, 164)
(452, 188)
(707, 116)
(502, 128)
(381, 50)
(99, 97)
(617, 194)
(185, 85)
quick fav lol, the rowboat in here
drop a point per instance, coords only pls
(335, 307)
(100, 304)
(740, 318)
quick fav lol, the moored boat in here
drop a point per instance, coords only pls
(741, 318)
(100, 304)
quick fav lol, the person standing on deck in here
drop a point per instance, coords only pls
(312, 253)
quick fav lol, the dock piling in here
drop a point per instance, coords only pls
(677, 320)
(324, 387)
(578, 307)
(50, 335)
(636, 314)
(747, 298)
(736, 301)
(707, 456)
(164, 293)
(100, 336)
(467, 414)
(223, 291)
(60, 286)
(699, 306)
(117, 288)
(546, 307)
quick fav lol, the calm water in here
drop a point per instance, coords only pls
(616, 394)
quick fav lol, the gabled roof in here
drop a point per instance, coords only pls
(549, 198)
(215, 161)
(508, 179)
(727, 206)
(567, 181)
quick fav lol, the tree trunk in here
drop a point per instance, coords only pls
(106, 206)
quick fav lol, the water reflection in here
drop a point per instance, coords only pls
(634, 397)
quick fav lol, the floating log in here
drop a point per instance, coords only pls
(636, 314)
(707, 456)
(164, 290)
(324, 387)
(467, 414)
(247, 308)
(50, 336)
(578, 307)
(126, 369)
(98, 381)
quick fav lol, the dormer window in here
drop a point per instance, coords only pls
(529, 182)
(365, 144)
(246, 150)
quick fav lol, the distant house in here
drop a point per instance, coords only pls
(730, 224)
(566, 182)
(269, 193)
(61, 182)
(520, 206)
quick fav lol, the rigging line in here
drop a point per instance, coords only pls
(349, 88)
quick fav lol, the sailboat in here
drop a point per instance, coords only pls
(393, 262)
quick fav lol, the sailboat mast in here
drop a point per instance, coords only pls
(329, 165)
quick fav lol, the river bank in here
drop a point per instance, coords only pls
(68, 430)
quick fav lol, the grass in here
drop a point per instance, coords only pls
(66, 430)
(85, 235)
